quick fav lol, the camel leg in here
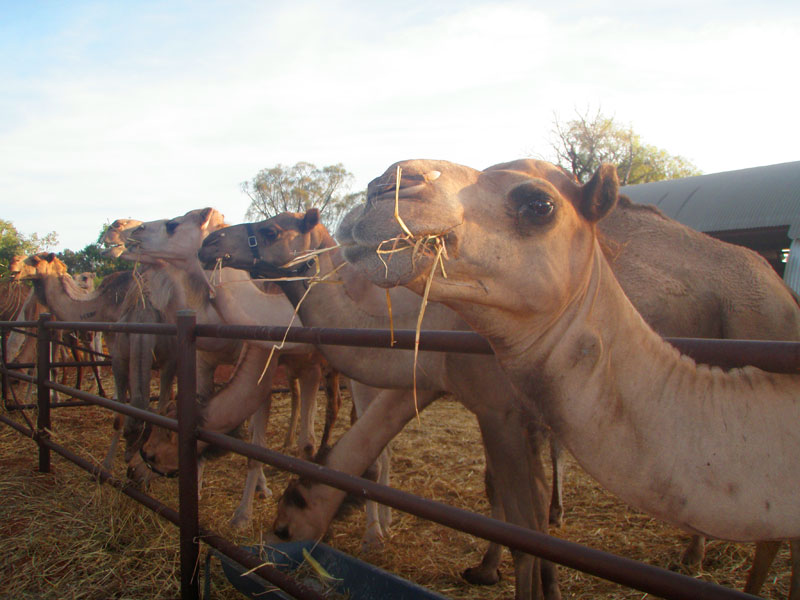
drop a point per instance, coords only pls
(294, 417)
(140, 367)
(258, 424)
(488, 571)
(556, 517)
(137, 470)
(309, 377)
(378, 516)
(517, 472)
(765, 554)
(115, 437)
(334, 403)
(794, 586)
(166, 377)
(120, 371)
(89, 339)
(695, 551)
(353, 453)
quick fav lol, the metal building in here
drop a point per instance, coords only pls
(758, 208)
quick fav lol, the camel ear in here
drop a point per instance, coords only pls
(600, 194)
(205, 217)
(311, 219)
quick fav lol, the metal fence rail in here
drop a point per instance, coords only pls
(775, 356)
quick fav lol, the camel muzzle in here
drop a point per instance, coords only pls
(147, 461)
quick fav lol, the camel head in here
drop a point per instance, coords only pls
(516, 236)
(160, 449)
(116, 235)
(175, 239)
(36, 266)
(85, 281)
(297, 518)
(267, 248)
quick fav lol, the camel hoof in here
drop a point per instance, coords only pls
(695, 552)
(556, 518)
(239, 520)
(307, 452)
(372, 544)
(691, 559)
(478, 576)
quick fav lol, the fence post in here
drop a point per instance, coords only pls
(4, 358)
(187, 455)
(43, 344)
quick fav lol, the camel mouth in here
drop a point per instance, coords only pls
(210, 259)
(113, 250)
(168, 474)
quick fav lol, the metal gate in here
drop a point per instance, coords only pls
(773, 356)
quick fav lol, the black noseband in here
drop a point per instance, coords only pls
(171, 475)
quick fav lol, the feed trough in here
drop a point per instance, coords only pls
(349, 577)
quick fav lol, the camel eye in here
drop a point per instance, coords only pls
(541, 208)
(171, 226)
(532, 205)
(270, 234)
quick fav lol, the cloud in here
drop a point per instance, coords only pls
(153, 110)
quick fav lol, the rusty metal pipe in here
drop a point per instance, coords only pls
(647, 578)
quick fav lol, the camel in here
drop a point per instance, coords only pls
(633, 263)
(525, 268)
(78, 342)
(170, 247)
(13, 295)
(19, 304)
(306, 509)
(22, 347)
(115, 300)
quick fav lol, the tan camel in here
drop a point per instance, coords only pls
(172, 245)
(525, 268)
(307, 508)
(115, 300)
(71, 342)
(769, 313)
(177, 242)
(170, 248)
(13, 295)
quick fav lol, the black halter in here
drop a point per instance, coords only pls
(252, 242)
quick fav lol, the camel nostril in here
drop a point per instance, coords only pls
(282, 532)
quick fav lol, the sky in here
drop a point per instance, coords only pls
(147, 110)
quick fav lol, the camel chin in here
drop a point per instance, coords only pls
(393, 271)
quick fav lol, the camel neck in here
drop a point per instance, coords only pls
(348, 300)
(672, 438)
(51, 293)
(240, 398)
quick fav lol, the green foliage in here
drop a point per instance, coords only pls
(92, 259)
(583, 144)
(13, 243)
(298, 188)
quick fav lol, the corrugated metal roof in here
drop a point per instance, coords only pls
(744, 199)
(791, 275)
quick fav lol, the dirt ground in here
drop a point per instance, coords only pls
(62, 536)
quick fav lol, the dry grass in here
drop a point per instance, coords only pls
(63, 536)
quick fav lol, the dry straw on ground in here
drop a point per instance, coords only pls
(62, 536)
